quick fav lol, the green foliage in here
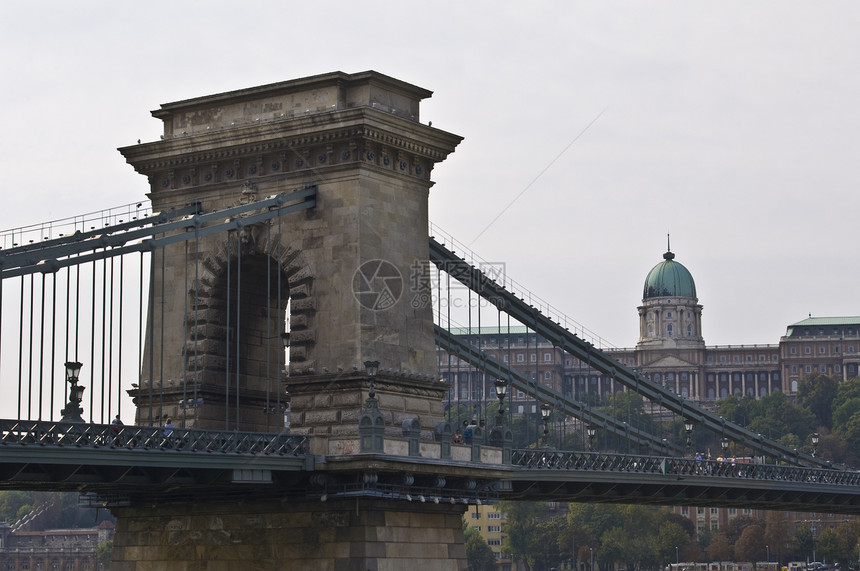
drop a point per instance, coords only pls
(104, 550)
(478, 554)
(816, 393)
(844, 411)
(519, 527)
(12, 502)
(830, 545)
(773, 416)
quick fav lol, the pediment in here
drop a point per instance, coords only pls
(669, 362)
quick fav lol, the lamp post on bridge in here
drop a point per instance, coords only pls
(545, 411)
(501, 390)
(814, 443)
(591, 432)
(724, 445)
(72, 411)
(688, 429)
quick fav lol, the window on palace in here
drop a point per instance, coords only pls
(520, 358)
(836, 349)
(520, 394)
(823, 368)
(722, 358)
(669, 330)
(547, 357)
(494, 515)
(567, 362)
(733, 511)
(685, 510)
(714, 511)
(736, 359)
(669, 314)
(477, 528)
(700, 511)
(821, 350)
(749, 358)
(808, 369)
(794, 350)
(505, 358)
(495, 541)
(689, 330)
(715, 525)
(547, 375)
(476, 515)
(494, 528)
(837, 368)
(533, 358)
(807, 351)
(794, 369)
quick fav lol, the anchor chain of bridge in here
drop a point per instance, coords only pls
(529, 316)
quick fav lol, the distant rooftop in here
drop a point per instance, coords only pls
(853, 323)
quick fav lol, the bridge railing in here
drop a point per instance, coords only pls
(144, 438)
(544, 459)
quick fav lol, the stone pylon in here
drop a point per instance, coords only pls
(348, 279)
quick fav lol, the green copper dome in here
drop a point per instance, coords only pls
(669, 279)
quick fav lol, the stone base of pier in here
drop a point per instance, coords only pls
(356, 534)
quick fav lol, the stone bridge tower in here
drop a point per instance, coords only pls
(347, 272)
(347, 279)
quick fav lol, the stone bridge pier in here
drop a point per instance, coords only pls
(350, 285)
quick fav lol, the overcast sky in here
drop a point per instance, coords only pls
(591, 131)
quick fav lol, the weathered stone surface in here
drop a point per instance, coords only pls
(291, 535)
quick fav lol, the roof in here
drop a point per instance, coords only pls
(822, 322)
(669, 279)
(815, 321)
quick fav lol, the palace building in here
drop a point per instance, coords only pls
(671, 351)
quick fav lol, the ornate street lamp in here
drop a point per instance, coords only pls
(814, 443)
(73, 410)
(371, 423)
(501, 390)
(724, 444)
(545, 411)
(591, 432)
(371, 368)
(688, 428)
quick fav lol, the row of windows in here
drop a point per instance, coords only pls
(490, 528)
(490, 515)
(748, 359)
(819, 368)
(822, 350)
(834, 331)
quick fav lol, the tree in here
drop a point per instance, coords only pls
(816, 393)
(830, 546)
(478, 554)
(720, 549)
(103, 553)
(670, 536)
(13, 502)
(750, 546)
(804, 541)
(520, 528)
